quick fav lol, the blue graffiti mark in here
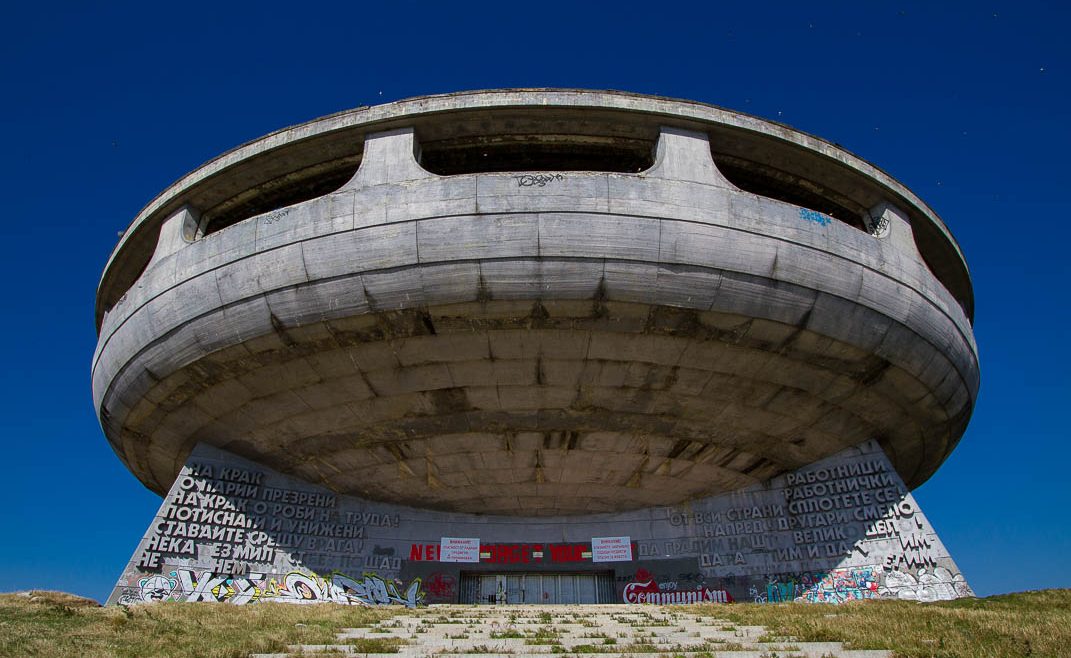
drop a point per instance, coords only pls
(815, 216)
(777, 592)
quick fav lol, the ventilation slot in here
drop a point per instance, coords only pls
(296, 187)
(541, 152)
(783, 186)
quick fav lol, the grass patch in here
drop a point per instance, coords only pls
(543, 635)
(61, 625)
(637, 648)
(1005, 626)
(372, 644)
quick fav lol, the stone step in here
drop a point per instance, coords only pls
(313, 651)
(472, 632)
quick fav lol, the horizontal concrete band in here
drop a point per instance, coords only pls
(345, 296)
(238, 160)
(698, 258)
(458, 201)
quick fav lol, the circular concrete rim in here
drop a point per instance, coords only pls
(152, 215)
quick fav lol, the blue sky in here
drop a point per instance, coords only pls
(966, 103)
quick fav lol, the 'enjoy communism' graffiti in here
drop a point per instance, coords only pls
(644, 589)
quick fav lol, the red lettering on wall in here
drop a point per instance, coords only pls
(568, 552)
(424, 552)
(514, 553)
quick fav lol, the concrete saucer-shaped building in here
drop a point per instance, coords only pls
(536, 345)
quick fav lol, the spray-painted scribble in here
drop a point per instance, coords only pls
(877, 226)
(441, 586)
(537, 180)
(275, 216)
(815, 216)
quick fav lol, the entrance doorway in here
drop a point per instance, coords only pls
(537, 588)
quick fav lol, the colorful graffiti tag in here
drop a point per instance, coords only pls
(840, 585)
(858, 583)
(777, 592)
(644, 589)
(294, 587)
(782, 588)
(834, 586)
(939, 585)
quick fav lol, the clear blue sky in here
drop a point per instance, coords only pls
(967, 104)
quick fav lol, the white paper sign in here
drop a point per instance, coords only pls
(459, 549)
(611, 549)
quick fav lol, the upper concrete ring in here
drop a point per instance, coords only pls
(777, 159)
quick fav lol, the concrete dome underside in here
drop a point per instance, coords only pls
(540, 408)
(535, 344)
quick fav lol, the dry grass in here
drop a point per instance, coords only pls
(1011, 625)
(56, 624)
(61, 625)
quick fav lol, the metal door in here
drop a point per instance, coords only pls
(515, 588)
(567, 588)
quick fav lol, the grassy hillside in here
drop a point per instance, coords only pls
(61, 625)
(56, 624)
(1013, 625)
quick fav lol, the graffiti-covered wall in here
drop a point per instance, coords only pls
(841, 529)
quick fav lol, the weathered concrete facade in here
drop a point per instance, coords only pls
(844, 528)
(548, 334)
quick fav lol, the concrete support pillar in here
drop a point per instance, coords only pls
(887, 222)
(177, 231)
(389, 157)
(684, 155)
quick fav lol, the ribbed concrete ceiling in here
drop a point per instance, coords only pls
(515, 408)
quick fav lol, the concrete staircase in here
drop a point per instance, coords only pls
(547, 631)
